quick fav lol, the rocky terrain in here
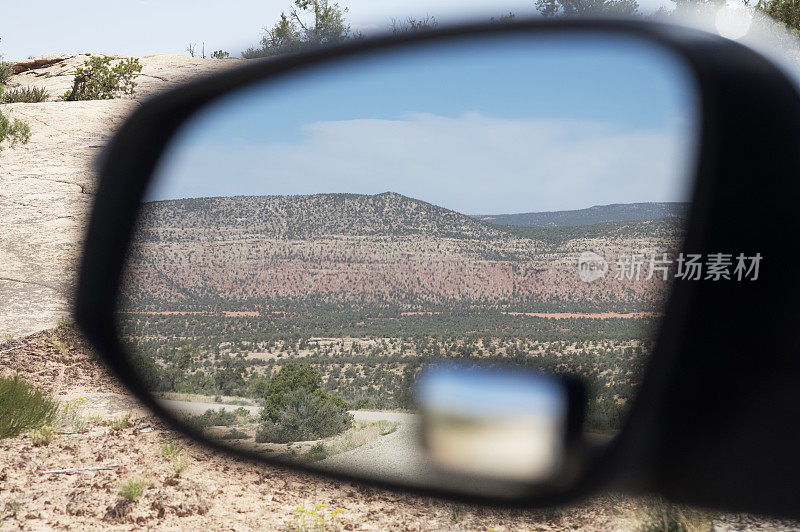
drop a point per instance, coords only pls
(217, 492)
(46, 186)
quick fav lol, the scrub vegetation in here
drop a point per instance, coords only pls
(170, 483)
(316, 305)
(23, 408)
(12, 130)
(101, 79)
(24, 95)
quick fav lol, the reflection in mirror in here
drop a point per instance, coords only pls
(494, 423)
(309, 244)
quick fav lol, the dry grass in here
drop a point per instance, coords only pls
(22, 407)
(131, 488)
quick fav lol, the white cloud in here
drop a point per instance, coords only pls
(473, 163)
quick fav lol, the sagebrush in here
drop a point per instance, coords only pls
(25, 95)
(13, 131)
(23, 408)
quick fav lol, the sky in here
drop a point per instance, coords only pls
(144, 27)
(480, 126)
(491, 392)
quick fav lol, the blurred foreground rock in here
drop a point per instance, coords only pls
(47, 186)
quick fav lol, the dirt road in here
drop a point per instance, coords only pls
(397, 456)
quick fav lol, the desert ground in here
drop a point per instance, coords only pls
(210, 490)
(215, 491)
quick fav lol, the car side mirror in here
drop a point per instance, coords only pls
(275, 252)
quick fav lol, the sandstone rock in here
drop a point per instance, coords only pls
(47, 186)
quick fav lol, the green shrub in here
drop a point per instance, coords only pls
(290, 34)
(214, 418)
(235, 434)
(179, 465)
(171, 449)
(365, 403)
(6, 71)
(316, 453)
(305, 416)
(268, 432)
(98, 80)
(132, 488)
(243, 415)
(119, 423)
(25, 95)
(292, 377)
(297, 409)
(13, 507)
(412, 25)
(22, 408)
(14, 131)
(220, 54)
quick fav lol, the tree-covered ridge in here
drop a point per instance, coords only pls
(667, 230)
(305, 217)
(372, 256)
(318, 216)
(618, 212)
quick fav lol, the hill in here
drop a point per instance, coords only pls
(311, 216)
(371, 253)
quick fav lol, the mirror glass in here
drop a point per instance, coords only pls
(310, 244)
(495, 423)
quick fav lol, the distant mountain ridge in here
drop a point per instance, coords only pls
(355, 251)
(310, 216)
(617, 212)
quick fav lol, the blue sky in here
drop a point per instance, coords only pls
(491, 392)
(482, 127)
(143, 27)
